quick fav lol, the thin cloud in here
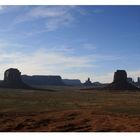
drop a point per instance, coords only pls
(43, 62)
(55, 23)
(55, 16)
(58, 60)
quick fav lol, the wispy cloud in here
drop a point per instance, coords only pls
(51, 17)
(58, 60)
(42, 61)
(55, 16)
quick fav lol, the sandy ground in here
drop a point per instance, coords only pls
(69, 110)
(69, 121)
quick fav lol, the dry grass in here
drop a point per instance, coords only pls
(69, 109)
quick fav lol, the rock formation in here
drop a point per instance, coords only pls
(12, 79)
(72, 82)
(12, 75)
(138, 81)
(88, 83)
(120, 82)
(43, 80)
(130, 80)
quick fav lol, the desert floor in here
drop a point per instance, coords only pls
(68, 109)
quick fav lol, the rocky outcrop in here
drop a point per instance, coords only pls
(12, 75)
(138, 80)
(120, 76)
(130, 80)
(12, 79)
(120, 82)
(88, 83)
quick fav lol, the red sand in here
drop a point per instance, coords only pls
(69, 121)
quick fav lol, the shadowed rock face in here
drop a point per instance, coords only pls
(120, 76)
(12, 79)
(120, 82)
(43, 80)
(12, 75)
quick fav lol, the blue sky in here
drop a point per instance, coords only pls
(72, 41)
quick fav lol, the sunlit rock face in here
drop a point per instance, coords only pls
(120, 82)
(12, 79)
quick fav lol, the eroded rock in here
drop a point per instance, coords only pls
(120, 82)
(88, 83)
(12, 79)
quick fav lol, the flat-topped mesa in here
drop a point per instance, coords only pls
(43, 80)
(120, 82)
(12, 79)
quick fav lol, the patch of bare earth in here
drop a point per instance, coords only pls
(69, 121)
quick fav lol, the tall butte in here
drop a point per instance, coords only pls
(12, 79)
(120, 82)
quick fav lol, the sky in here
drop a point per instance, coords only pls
(75, 42)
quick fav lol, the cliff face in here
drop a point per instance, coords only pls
(42, 80)
(120, 82)
(12, 79)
